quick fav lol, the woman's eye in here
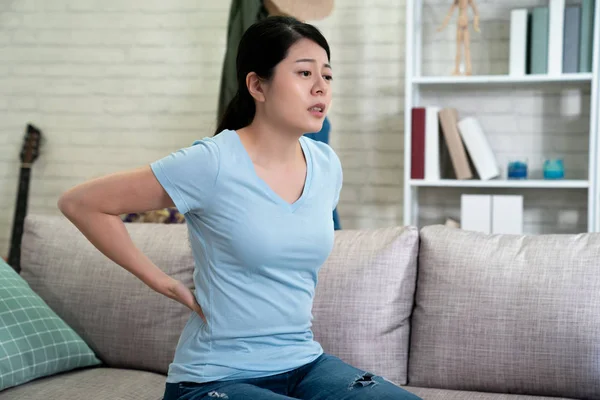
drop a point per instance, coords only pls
(305, 73)
(328, 77)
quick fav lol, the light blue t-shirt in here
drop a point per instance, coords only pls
(257, 258)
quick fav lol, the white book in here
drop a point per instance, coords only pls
(479, 148)
(432, 143)
(556, 36)
(476, 212)
(507, 214)
(518, 42)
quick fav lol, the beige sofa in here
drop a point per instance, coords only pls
(446, 313)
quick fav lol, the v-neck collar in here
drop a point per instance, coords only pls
(265, 186)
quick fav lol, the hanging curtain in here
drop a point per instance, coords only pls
(242, 14)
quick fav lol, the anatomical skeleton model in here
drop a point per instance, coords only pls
(463, 37)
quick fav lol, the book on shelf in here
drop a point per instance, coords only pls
(518, 42)
(444, 146)
(418, 156)
(507, 214)
(479, 148)
(537, 57)
(491, 213)
(586, 36)
(553, 39)
(570, 62)
(458, 154)
(476, 212)
(556, 12)
(425, 151)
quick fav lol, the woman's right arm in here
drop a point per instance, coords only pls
(95, 206)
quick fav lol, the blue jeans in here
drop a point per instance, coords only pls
(326, 378)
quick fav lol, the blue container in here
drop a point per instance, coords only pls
(554, 169)
(517, 170)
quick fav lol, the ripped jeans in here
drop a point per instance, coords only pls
(326, 378)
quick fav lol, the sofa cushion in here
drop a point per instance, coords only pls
(443, 394)
(34, 341)
(364, 299)
(92, 384)
(125, 322)
(507, 313)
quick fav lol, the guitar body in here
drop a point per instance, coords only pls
(29, 153)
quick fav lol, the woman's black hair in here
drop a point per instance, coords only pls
(262, 46)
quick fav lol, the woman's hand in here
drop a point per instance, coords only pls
(178, 291)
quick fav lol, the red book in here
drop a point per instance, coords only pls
(417, 157)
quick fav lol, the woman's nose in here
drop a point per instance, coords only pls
(320, 86)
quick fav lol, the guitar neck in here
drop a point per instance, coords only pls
(14, 256)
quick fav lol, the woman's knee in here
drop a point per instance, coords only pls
(371, 387)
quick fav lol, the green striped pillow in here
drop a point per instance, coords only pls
(34, 341)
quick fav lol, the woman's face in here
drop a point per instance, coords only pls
(299, 94)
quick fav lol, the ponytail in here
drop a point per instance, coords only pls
(239, 112)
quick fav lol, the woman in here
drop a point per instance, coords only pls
(258, 198)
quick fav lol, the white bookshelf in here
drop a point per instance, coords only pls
(500, 79)
(416, 83)
(504, 183)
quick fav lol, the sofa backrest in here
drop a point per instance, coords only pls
(507, 313)
(125, 322)
(364, 299)
(362, 308)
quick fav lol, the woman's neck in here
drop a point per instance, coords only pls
(269, 146)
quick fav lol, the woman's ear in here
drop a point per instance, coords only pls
(255, 86)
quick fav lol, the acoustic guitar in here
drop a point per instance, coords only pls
(29, 153)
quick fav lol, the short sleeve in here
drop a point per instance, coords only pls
(339, 174)
(189, 175)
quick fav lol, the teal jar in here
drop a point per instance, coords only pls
(554, 168)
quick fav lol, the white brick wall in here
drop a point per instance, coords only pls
(531, 122)
(117, 83)
(112, 85)
(367, 41)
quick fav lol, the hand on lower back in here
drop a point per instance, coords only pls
(181, 293)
